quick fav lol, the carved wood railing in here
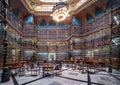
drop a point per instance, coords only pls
(28, 45)
(29, 30)
(97, 24)
(62, 48)
(14, 22)
(42, 48)
(52, 34)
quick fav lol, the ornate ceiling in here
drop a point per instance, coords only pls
(44, 7)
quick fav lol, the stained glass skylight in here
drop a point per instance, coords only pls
(52, 0)
(40, 7)
(44, 8)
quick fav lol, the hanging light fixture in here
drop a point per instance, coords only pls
(60, 11)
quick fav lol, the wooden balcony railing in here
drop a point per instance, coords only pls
(28, 45)
(2, 10)
(52, 34)
(96, 43)
(97, 23)
(29, 30)
(13, 21)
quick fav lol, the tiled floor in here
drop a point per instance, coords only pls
(69, 77)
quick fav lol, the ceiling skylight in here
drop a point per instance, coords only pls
(40, 7)
(52, 0)
(44, 8)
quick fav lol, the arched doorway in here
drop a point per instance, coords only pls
(52, 57)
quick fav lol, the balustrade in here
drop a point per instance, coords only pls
(52, 34)
(28, 45)
(96, 42)
(61, 33)
(29, 30)
(13, 20)
(62, 48)
(2, 10)
(97, 24)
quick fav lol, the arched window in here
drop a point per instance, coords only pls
(98, 12)
(75, 21)
(111, 4)
(61, 25)
(28, 19)
(89, 17)
(15, 12)
(43, 24)
(52, 24)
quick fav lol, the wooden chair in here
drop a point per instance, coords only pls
(101, 64)
(35, 70)
(57, 69)
(17, 68)
(48, 69)
(90, 66)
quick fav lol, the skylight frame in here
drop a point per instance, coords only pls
(52, 1)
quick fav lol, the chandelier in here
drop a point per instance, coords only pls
(60, 11)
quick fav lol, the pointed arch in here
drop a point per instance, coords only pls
(61, 24)
(75, 21)
(98, 11)
(43, 23)
(111, 4)
(52, 23)
(89, 17)
(15, 12)
(28, 19)
(1, 28)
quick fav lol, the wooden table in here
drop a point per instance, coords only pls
(48, 69)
